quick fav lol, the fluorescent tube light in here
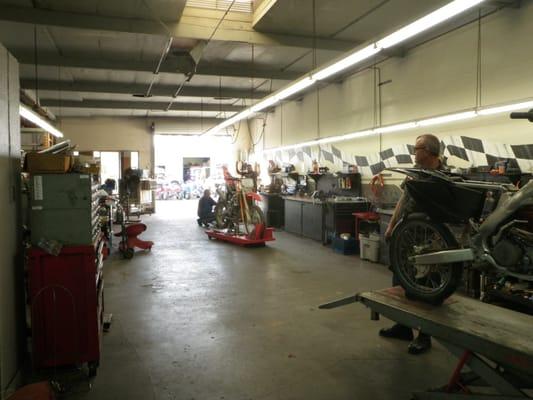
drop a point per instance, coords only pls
(355, 135)
(395, 128)
(269, 101)
(506, 108)
(297, 145)
(348, 61)
(230, 121)
(420, 25)
(294, 88)
(31, 116)
(447, 118)
(242, 115)
(331, 139)
(443, 119)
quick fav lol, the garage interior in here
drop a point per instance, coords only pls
(303, 119)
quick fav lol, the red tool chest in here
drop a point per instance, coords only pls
(67, 305)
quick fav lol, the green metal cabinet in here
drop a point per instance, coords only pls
(63, 208)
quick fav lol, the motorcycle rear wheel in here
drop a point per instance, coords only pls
(429, 283)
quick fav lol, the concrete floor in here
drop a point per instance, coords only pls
(199, 319)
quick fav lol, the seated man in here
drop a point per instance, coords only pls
(205, 209)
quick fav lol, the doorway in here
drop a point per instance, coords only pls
(110, 166)
(114, 163)
(196, 169)
(190, 163)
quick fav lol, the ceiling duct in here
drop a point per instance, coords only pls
(187, 60)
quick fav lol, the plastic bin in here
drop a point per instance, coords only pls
(344, 246)
(369, 247)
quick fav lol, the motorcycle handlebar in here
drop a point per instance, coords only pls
(523, 115)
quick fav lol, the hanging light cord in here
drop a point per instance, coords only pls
(35, 60)
(479, 65)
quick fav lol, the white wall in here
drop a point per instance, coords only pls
(435, 78)
(111, 134)
(126, 133)
(11, 289)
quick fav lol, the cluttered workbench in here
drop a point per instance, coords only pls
(493, 342)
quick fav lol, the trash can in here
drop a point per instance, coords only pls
(369, 247)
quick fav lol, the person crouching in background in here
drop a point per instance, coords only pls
(205, 209)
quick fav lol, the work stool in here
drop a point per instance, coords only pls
(366, 222)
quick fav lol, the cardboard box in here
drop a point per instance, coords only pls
(89, 169)
(48, 163)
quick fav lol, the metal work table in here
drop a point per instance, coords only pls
(495, 343)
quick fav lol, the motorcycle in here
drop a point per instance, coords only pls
(236, 203)
(460, 224)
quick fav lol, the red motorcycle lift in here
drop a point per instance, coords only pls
(130, 240)
(257, 238)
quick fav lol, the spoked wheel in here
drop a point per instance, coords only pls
(221, 215)
(431, 283)
(254, 215)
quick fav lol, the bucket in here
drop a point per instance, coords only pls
(369, 247)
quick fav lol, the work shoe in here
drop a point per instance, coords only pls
(420, 345)
(397, 331)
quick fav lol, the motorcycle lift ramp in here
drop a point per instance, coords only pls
(257, 238)
(496, 344)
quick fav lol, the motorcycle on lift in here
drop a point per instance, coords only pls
(236, 210)
(496, 220)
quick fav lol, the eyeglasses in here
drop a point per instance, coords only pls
(420, 148)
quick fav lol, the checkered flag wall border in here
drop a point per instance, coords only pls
(478, 152)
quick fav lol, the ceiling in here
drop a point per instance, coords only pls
(163, 58)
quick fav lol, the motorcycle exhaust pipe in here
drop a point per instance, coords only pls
(443, 257)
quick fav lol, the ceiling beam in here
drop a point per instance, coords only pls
(169, 66)
(139, 105)
(127, 88)
(195, 23)
(262, 10)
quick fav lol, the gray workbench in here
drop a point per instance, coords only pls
(304, 216)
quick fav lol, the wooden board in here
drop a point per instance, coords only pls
(500, 334)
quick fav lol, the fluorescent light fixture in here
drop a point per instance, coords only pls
(443, 119)
(396, 128)
(331, 139)
(31, 116)
(294, 88)
(348, 61)
(269, 101)
(360, 134)
(420, 25)
(506, 108)
(447, 118)
(296, 145)
(230, 121)
(242, 115)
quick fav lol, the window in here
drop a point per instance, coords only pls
(134, 160)
(239, 5)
